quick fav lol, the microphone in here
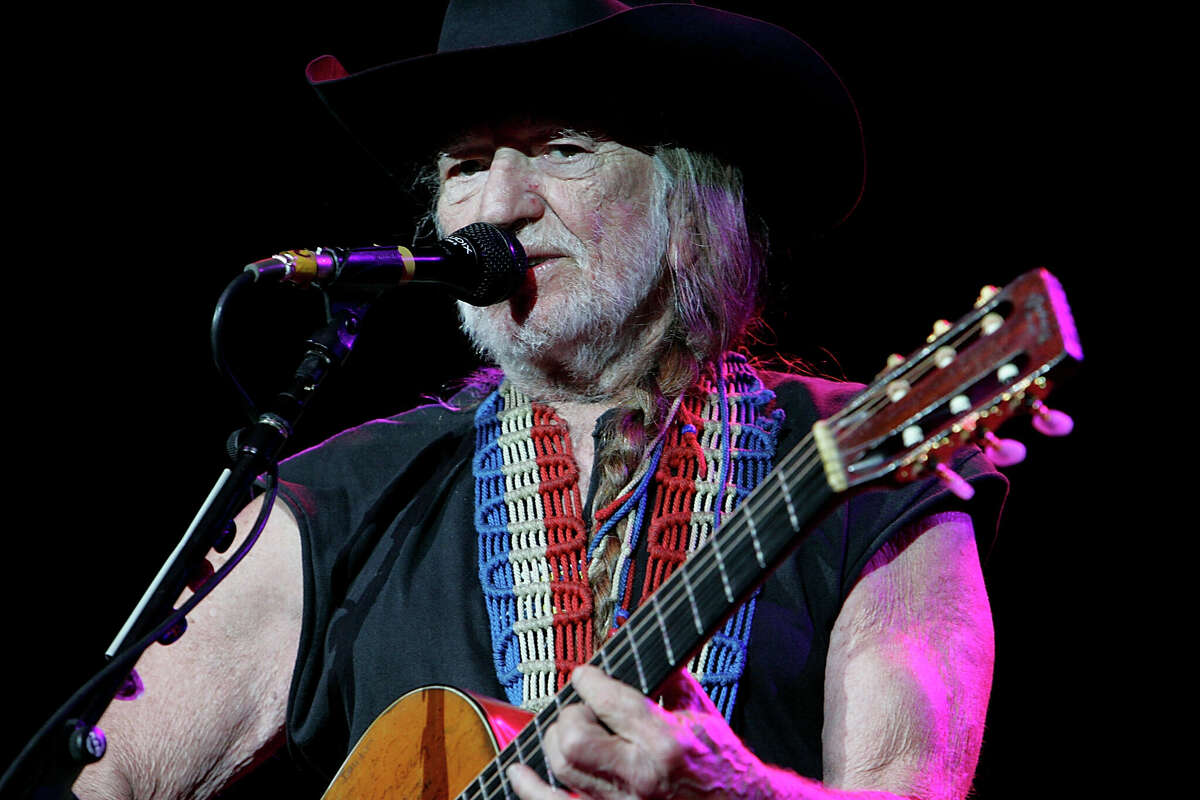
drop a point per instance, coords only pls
(479, 264)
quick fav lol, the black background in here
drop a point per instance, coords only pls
(154, 157)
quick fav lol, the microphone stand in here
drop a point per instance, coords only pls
(70, 740)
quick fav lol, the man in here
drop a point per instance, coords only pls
(493, 543)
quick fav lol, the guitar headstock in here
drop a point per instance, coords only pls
(968, 378)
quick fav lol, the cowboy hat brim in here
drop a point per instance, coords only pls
(703, 78)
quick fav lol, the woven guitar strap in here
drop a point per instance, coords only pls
(534, 545)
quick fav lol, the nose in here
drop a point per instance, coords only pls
(511, 195)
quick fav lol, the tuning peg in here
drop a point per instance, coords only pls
(944, 356)
(1049, 422)
(954, 482)
(939, 327)
(893, 361)
(986, 293)
(991, 323)
(897, 389)
(1003, 452)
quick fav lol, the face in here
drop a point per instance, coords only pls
(586, 211)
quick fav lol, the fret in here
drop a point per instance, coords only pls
(787, 498)
(687, 584)
(758, 551)
(637, 660)
(483, 792)
(604, 662)
(716, 546)
(537, 732)
(516, 748)
(504, 787)
(662, 625)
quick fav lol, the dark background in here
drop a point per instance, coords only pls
(155, 157)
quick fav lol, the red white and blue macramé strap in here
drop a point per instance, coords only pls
(532, 539)
(533, 545)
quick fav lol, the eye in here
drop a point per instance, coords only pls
(465, 167)
(564, 151)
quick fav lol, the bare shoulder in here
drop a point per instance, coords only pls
(267, 586)
(924, 573)
(910, 666)
(215, 700)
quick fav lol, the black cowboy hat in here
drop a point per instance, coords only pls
(677, 73)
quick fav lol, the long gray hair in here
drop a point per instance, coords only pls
(716, 262)
(717, 259)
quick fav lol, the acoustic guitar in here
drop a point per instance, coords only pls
(438, 743)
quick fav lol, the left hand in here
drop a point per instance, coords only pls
(618, 743)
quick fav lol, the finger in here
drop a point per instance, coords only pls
(584, 755)
(638, 750)
(529, 785)
(625, 710)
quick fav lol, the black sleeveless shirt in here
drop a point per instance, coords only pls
(392, 599)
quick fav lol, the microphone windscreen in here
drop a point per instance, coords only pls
(501, 264)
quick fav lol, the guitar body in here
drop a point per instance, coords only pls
(428, 745)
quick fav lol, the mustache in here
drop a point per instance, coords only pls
(550, 242)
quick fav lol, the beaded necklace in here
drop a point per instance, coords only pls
(534, 546)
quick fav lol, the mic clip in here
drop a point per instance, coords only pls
(299, 267)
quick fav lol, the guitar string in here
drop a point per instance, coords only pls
(704, 565)
(706, 562)
(913, 372)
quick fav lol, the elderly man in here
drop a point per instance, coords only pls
(496, 542)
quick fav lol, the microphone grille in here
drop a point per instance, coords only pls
(501, 263)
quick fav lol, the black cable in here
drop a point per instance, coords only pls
(218, 350)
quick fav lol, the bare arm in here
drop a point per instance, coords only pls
(910, 668)
(215, 700)
(907, 681)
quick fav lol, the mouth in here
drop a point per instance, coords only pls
(522, 302)
(536, 260)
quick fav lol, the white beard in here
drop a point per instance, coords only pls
(595, 330)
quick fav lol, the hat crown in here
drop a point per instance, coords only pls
(487, 23)
(646, 72)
